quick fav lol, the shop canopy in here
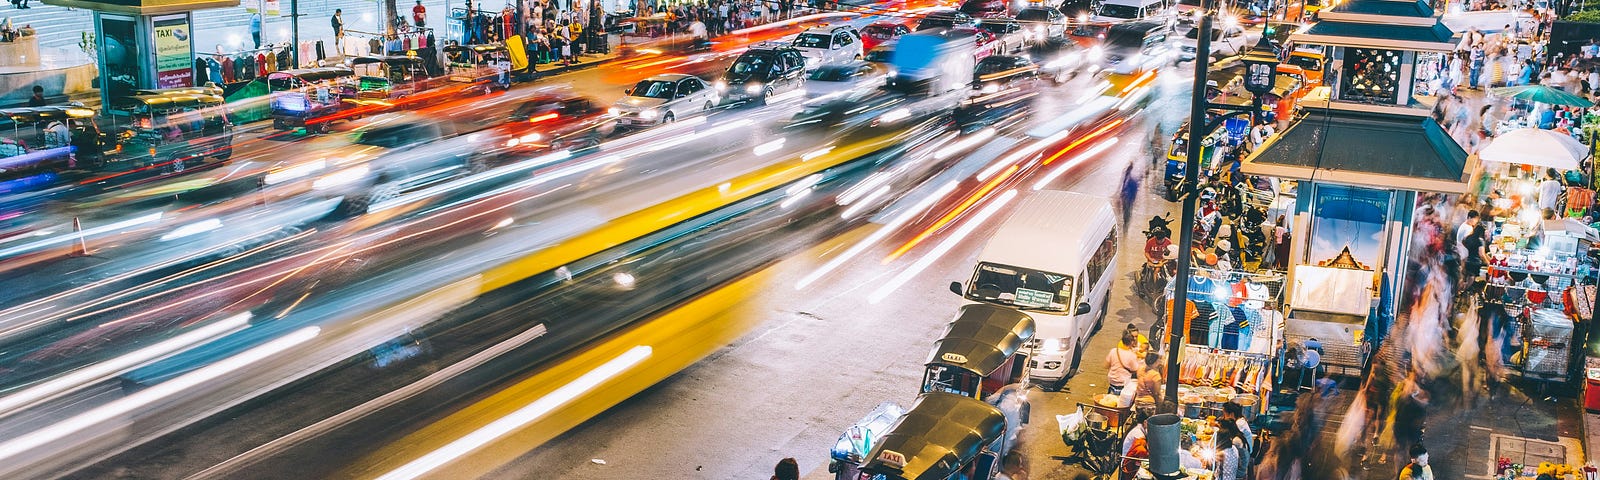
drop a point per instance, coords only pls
(981, 338)
(144, 7)
(1382, 150)
(940, 433)
(1537, 147)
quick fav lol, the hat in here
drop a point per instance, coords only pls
(1224, 245)
(1211, 259)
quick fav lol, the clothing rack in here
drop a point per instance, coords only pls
(1213, 367)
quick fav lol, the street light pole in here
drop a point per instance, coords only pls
(1197, 131)
(294, 32)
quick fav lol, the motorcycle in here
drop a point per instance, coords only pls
(1152, 281)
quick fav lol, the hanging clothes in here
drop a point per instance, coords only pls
(201, 71)
(230, 70)
(214, 69)
(261, 64)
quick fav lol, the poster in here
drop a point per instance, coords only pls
(264, 7)
(1349, 217)
(174, 57)
(120, 52)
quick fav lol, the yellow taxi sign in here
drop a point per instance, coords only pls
(892, 458)
(953, 357)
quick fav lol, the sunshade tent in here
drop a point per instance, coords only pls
(1543, 94)
(1538, 147)
(941, 432)
(982, 337)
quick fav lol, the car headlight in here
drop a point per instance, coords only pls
(532, 137)
(753, 89)
(720, 85)
(513, 142)
(1096, 53)
(990, 88)
(614, 111)
(1052, 345)
(648, 114)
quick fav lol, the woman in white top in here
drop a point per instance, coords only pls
(1226, 466)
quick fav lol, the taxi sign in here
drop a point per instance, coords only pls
(892, 458)
(953, 357)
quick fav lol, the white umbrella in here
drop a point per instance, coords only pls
(1538, 147)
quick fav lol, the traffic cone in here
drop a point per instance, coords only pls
(82, 248)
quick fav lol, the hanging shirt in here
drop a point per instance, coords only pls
(228, 70)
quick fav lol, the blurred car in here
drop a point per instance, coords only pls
(404, 153)
(838, 80)
(1225, 42)
(1310, 60)
(558, 120)
(1137, 47)
(825, 45)
(986, 8)
(881, 32)
(1077, 11)
(881, 53)
(662, 99)
(1012, 36)
(761, 71)
(987, 42)
(1043, 24)
(1002, 72)
(944, 18)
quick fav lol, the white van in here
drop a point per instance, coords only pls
(1054, 258)
(1126, 10)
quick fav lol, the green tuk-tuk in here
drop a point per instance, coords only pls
(312, 97)
(982, 350)
(391, 76)
(942, 436)
(175, 130)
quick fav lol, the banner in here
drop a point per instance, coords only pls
(174, 56)
(1349, 217)
(264, 7)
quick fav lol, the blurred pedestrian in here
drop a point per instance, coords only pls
(338, 30)
(419, 15)
(1130, 191)
(255, 28)
(37, 100)
(1122, 362)
(787, 469)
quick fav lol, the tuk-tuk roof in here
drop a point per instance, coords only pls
(200, 90)
(53, 112)
(313, 74)
(981, 338)
(941, 432)
(174, 100)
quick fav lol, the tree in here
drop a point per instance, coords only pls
(391, 13)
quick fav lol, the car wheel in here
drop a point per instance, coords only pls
(764, 94)
(359, 203)
(667, 118)
(176, 164)
(707, 107)
(1077, 358)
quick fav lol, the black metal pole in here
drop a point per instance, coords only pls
(1180, 284)
(294, 32)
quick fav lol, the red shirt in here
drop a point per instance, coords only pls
(1156, 248)
(419, 15)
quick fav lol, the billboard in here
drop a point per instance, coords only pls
(174, 52)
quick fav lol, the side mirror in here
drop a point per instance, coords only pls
(627, 91)
(955, 287)
(1082, 309)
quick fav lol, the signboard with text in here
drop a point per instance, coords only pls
(174, 52)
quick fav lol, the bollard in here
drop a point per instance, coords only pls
(1162, 436)
(82, 249)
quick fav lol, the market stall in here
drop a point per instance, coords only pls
(1233, 336)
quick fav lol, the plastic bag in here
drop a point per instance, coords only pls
(1073, 425)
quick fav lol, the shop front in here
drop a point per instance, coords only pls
(145, 44)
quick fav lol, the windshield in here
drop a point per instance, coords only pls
(1125, 40)
(994, 65)
(834, 74)
(999, 28)
(749, 64)
(879, 55)
(1119, 11)
(878, 32)
(1180, 148)
(936, 21)
(394, 136)
(1194, 33)
(1020, 287)
(1307, 63)
(654, 89)
(811, 40)
(1034, 15)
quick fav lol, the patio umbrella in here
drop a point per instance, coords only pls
(1543, 94)
(1533, 146)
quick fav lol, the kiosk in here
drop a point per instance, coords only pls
(144, 43)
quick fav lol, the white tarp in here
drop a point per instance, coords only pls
(1332, 290)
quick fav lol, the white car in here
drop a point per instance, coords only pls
(1225, 42)
(842, 79)
(825, 45)
(662, 99)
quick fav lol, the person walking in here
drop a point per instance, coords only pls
(419, 15)
(338, 30)
(255, 28)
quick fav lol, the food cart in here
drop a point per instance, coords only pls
(942, 436)
(982, 350)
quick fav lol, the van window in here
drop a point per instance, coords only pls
(1101, 261)
(1119, 11)
(1020, 287)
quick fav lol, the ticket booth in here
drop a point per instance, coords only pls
(143, 44)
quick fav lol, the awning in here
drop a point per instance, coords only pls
(938, 435)
(1398, 152)
(981, 338)
(144, 7)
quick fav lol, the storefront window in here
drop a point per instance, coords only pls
(1370, 75)
(1429, 71)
